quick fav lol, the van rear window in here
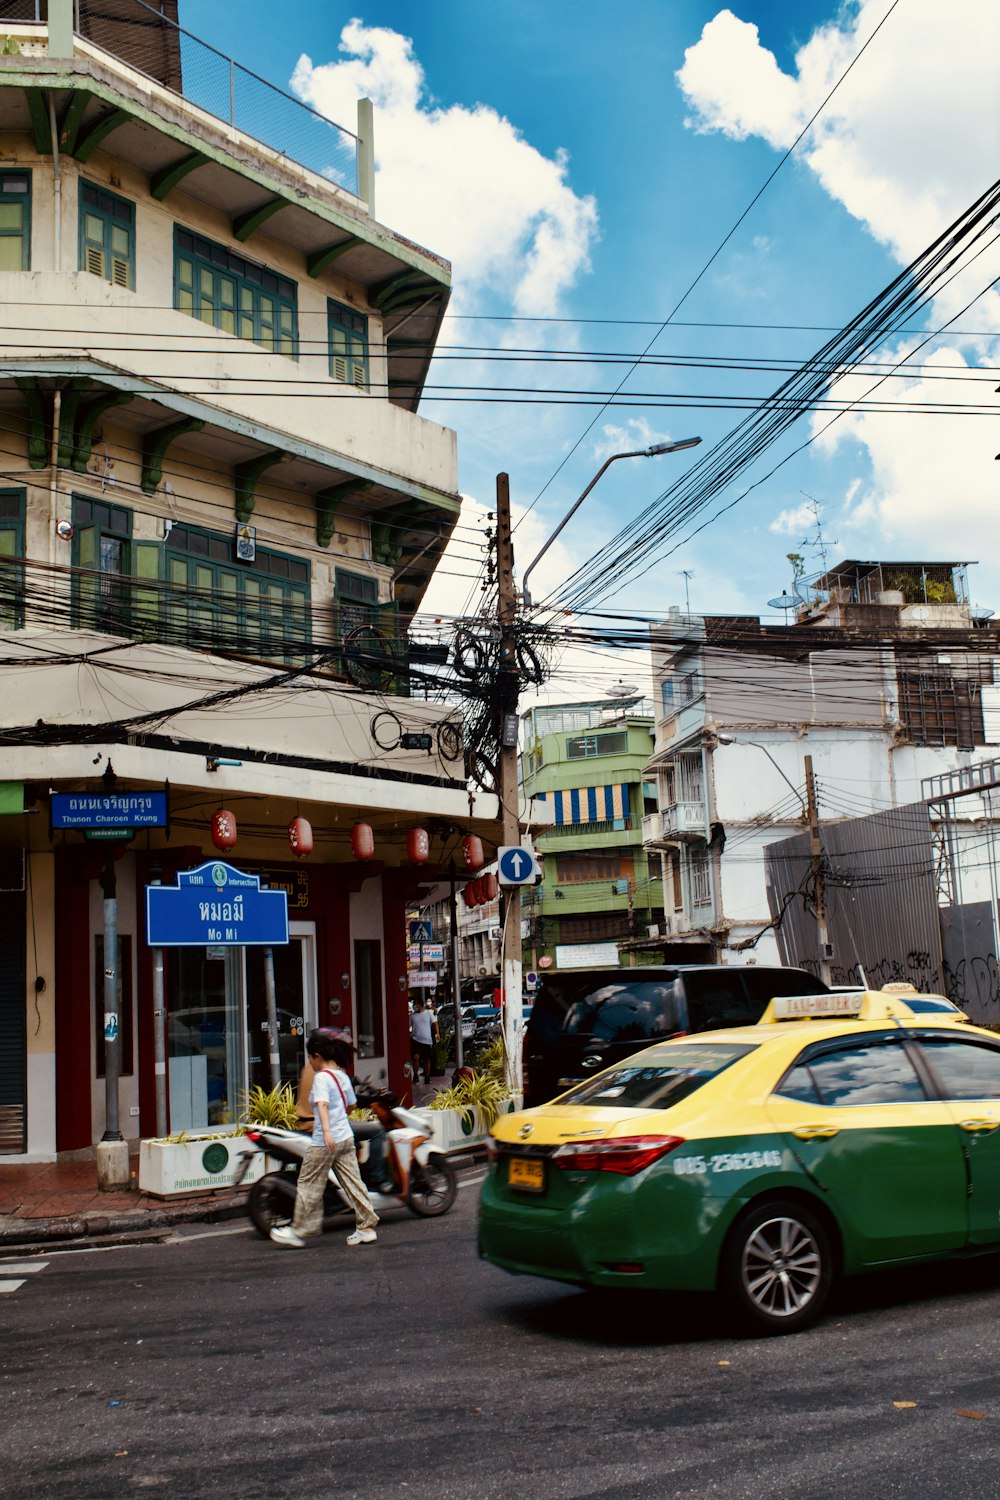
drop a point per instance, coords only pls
(658, 1084)
(609, 1006)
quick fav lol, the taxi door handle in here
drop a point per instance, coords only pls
(974, 1126)
(816, 1132)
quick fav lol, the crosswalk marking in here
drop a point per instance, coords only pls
(21, 1269)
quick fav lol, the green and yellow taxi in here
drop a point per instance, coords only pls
(842, 1133)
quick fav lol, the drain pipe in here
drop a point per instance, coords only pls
(56, 187)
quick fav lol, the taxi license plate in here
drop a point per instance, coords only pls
(529, 1176)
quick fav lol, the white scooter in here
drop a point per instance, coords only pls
(414, 1172)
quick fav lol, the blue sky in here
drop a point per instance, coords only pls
(585, 162)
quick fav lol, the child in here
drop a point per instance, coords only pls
(332, 1145)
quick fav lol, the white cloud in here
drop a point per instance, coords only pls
(461, 179)
(908, 141)
(885, 144)
(933, 482)
(635, 433)
(796, 519)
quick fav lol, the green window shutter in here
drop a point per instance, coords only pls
(348, 340)
(147, 560)
(87, 542)
(11, 579)
(107, 235)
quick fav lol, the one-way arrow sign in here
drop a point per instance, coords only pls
(515, 866)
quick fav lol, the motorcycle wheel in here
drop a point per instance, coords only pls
(433, 1188)
(271, 1201)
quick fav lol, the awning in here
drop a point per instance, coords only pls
(589, 804)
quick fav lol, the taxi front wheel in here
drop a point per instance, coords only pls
(777, 1267)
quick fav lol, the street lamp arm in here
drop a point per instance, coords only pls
(651, 452)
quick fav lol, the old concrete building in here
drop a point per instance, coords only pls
(884, 679)
(220, 508)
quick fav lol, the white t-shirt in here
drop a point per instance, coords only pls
(422, 1027)
(340, 1100)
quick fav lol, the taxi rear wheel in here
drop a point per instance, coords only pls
(777, 1267)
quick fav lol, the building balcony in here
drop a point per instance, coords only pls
(681, 820)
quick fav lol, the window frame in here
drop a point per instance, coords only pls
(292, 590)
(111, 221)
(25, 200)
(353, 325)
(14, 525)
(87, 591)
(250, 279)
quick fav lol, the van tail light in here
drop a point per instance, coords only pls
(627, 1154)
(253, 1135)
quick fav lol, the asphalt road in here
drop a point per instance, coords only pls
(218, 1364)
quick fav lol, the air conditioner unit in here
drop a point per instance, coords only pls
(653, 931)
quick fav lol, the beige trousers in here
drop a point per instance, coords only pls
(308, 1217)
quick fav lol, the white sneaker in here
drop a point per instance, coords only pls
(362, 1237)
(284, 1234)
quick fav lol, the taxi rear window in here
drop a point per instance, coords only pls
(659, 1083)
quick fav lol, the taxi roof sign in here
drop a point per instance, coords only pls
(810, 1007)
(893, 1001)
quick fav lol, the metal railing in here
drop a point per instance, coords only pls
(146, 39)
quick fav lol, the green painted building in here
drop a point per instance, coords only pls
(599, 886)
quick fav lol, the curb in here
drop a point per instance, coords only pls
(25, 1232)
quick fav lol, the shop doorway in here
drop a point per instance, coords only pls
(216, 1025)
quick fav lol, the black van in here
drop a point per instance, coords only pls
(583, 1020)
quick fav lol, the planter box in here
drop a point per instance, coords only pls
(169, 1169)
(457, 1129)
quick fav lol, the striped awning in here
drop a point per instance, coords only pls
(589, 804)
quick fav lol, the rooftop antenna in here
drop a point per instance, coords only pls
(687, 574)
(819, 542)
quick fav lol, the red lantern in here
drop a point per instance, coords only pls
(488, 886)
(223, 829)
(472, 852)
(477, 886)
(418, 845)
(300, 837)
(469, 893)
(362, 841)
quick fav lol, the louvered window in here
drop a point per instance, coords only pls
(348, 345)
(107, 235)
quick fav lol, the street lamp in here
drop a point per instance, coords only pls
(653, 452)
(730, 739)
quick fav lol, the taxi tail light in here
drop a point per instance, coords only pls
(626, 1155)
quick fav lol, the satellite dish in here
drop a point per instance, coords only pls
(979, 613)
(623, 689)
(785, 601)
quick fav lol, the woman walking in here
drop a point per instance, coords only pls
(332, 1145)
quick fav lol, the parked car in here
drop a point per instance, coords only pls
(584, 1019)
(761, 1161)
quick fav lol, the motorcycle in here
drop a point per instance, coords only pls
(414, 1172)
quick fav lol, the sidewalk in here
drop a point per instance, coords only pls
(59, 1201)
(46, 1202)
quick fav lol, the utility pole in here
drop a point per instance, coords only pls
(819, 886)
(507, 784)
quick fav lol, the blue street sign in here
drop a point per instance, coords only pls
(515, 866)
(420, 932)
(122, 810)
(215, 904)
